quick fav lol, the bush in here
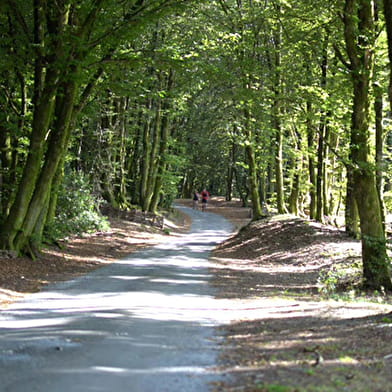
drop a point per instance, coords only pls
(340, 277)
(77, 209)
(388, 201)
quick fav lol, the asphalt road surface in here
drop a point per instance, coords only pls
(143, 324)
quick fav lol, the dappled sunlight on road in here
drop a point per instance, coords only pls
(34, 323)
(145, 320)
(149, 321)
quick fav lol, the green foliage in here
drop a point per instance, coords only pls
(340, 277)
(77, 209)
(171, 178)
(275, 388)
(386, 320)
(388, 200)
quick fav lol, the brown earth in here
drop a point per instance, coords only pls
(300, 340)
(79, 255)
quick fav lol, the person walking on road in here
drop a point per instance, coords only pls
(205, 195)
(195, 200)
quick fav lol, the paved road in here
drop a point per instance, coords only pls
(142, 324)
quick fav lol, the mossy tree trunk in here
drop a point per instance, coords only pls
(380, 135)
(351, 211)
(297, 163)
(146, 159)
(9, 151)
(165, 131)
(311, 160)
(41, 120)
(276, 116)
(253, 182)
(257, 212)
(388, 23)
(231, 170)
(56, 75)
(56, 149)
(154, 156)
(5, 168)
(359, 38)
(322, 140)
(135, 153)
(121, 181)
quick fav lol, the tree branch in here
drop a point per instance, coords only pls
(350, 33)
(19, 17)
(340, 56)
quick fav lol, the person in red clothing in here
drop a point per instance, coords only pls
(204, 199)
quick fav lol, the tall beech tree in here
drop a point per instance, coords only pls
(276, 69)
(359, 33)
(62, 37)
(388, 22)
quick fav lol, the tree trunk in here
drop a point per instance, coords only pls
(161, 164)
(9, 145)
(294, 195)
(359, 38)
(388, 23)
(164, 140)
(230, 171)
(276, 112)
(41, 118)
(279, 170)
(134, 163)
(252, 171)
(296, 178)
(326, 167)
(320, 174)
(154, 158)
(120, 187)
(378, 113)
(57, 147)
(311, 162)
(320, 183)
(47, 73)
(351, 211)
(378, 109)
(145, 166)
(5, 175)
(254, 186)
(57, 181)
